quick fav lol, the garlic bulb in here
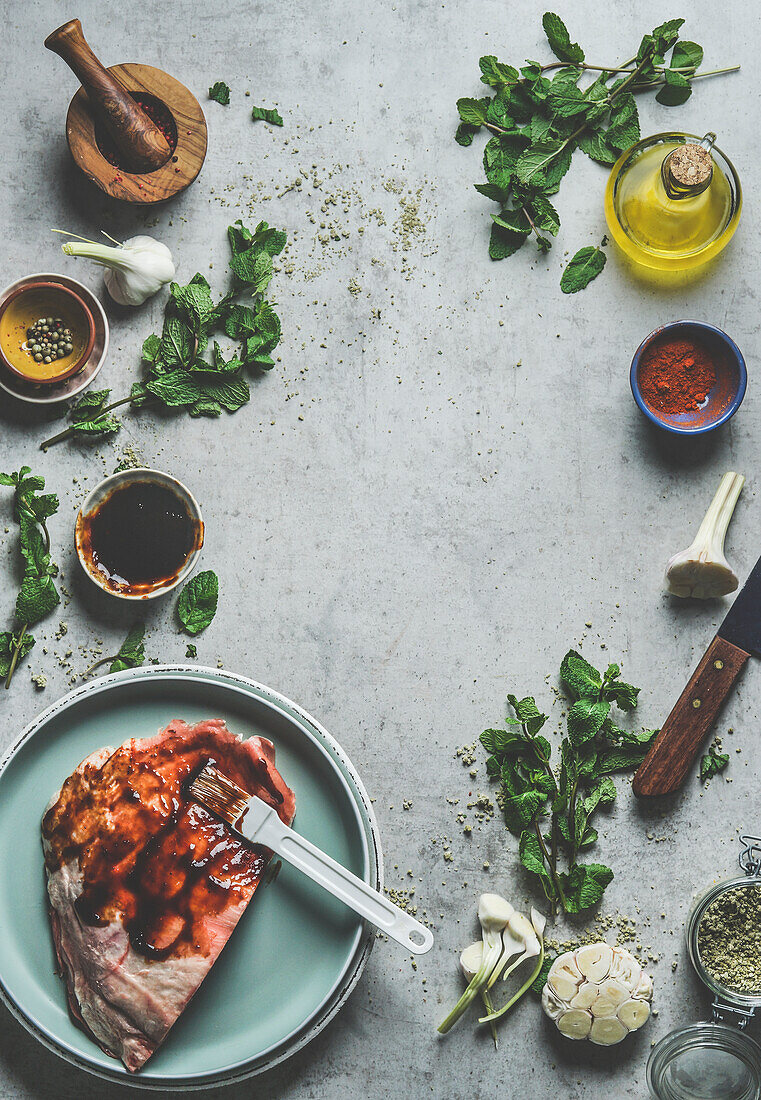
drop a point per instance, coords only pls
(597, 992)
(702, 571)
(135, 270)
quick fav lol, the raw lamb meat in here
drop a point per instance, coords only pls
(146, 886)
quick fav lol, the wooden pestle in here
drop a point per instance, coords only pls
(135, 135)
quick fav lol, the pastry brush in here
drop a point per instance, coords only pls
(258, 823)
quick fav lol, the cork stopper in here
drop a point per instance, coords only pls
(687, 170)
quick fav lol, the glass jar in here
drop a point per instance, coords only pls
(716, 1060)
(673, 201)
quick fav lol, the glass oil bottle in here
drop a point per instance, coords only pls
(673, 201)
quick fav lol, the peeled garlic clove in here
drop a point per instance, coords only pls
(551, 1004)
(594, 961)
(586, 996)
(633, 1014)
(607, 1031)
(575, 1024)
(611, 994)
(625, 968)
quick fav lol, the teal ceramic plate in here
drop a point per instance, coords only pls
(297, 952)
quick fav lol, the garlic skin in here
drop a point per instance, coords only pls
(135, 270)
(597, 992)
(702, 571)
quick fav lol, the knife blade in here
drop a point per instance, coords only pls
(738, 638)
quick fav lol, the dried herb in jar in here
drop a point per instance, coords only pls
(729, 939)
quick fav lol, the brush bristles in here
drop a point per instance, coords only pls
(219, 794)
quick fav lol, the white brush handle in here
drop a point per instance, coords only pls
(262, 825)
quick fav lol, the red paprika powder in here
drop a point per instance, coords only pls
(675, 376)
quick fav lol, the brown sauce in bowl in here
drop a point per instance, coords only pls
(139, 537)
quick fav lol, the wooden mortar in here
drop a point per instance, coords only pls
(152, 171)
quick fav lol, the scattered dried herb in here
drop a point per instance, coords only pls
(729, 939)
(551, 808)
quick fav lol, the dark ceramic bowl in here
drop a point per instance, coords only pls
(725, 396)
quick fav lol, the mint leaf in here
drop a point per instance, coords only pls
(623, 695)
(582, 268)
(503, 741)
(579, 677)
(197, 604)
(544, 214)
(496, 74)
(530, 855)
(676, 91)
(193, 302)
(712, 763)
(623, 130)
(473, 111)
(585, 885)
(266, 115)
(521, 809)
(504, 242)
(132, 651)
(9, 642)
(220, 93)
(533, 163)
(687, 55)
(191, 652)
(565, 99)
(560, 40)
(598, 148)
(464, 134)
(585, 719)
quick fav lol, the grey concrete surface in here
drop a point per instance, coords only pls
(443, 480)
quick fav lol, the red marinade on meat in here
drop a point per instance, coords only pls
(165, 872)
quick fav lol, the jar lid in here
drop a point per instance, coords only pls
(705, 1062)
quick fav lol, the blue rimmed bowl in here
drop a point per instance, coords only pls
(725, 396)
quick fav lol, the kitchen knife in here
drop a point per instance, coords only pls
(739, 637)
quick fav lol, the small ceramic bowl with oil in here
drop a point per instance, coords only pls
(47, 308)
(139, 534)
(716, 1060)
(720, 402)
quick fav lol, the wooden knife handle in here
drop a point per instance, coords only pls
(137, 137)
(685, 729)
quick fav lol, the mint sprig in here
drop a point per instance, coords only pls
(38, 596)
(550, 806)
(184, 369)
(538, 121)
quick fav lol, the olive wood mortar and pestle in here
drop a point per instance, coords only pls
(135, 132)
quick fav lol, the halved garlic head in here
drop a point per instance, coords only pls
(597, 993)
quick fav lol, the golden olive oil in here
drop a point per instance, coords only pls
(655, 224)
